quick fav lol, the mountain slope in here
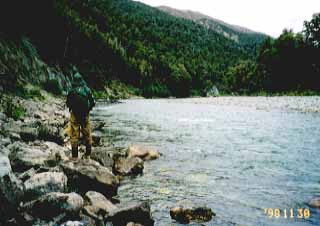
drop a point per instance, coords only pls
(241, 35)
(120, 39)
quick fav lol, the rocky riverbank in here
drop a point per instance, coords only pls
(40, 185)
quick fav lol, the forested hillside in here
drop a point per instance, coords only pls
(121, 39)
(245, 37)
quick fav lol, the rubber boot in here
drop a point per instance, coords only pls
(88, 152)
(75, 152)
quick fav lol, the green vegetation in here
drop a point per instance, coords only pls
(287, 65)
(11, 109)
(142, 47)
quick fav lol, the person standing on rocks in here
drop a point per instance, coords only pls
(80, 102)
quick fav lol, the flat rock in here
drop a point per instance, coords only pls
(128, 166)
(142, 152)
(89, 175)
(74, 223)
(43, 183)
(24, 157)
(134, 212)
(54, 204)
(186, 212)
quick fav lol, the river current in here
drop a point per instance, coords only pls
(237, 160)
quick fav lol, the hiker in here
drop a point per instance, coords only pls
(80, 102)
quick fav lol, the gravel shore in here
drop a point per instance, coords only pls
(306, 104)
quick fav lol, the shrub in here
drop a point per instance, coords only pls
(13, 110)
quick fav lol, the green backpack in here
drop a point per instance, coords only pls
(80, 101)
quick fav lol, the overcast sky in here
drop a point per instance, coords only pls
(267, 16)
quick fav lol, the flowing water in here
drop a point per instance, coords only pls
(236, 160)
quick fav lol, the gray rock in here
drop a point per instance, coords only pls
(97, 205)
(28, 133)
(27, 174)
(74, 223)
(3, 117)
(134, 224)
(55, 204)
(143, 152)
(24, 157)
(11, 189)
(128, 166)
(88, 175)
(186, 212)
(213, 92)
(43, 183)
(103, 156)
(134, 212)
(97, 125)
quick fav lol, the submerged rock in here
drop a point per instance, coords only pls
(186, 212)
(128, 166)
(134, 212)
(315, 203)
(54, 204)
(89, 175)
(143, 152)
(43, 183)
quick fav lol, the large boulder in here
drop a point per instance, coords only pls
(134, 212)
(55, 204)
(24, 157)
(88, 175)
(11, 190)
(186, 212)
(43, 183)
(143, 152)
(97, 205)
(128, 166)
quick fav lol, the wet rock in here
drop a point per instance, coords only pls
(186, 212)
(43, 183)
(97, 205)
(315, 203)
(97, 125)
(143, 152)
(24, 157)
(128, 166)
(55, 204)
(103, 156)
(135, 212)
(88, 175)
(11, 190)
(96, 138)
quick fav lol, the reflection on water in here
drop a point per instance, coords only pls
(236, 160)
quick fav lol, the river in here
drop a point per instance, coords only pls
(236, 159)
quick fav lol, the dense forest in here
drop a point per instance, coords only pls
(159, 54)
